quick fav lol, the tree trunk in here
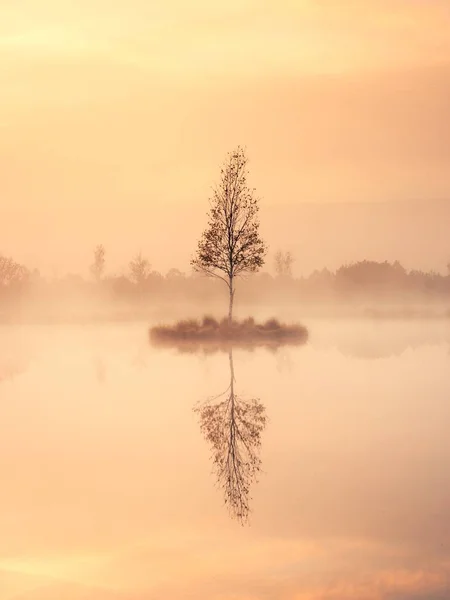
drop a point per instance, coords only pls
(230, 357)
(230, 310)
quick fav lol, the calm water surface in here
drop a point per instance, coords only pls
(116, 460)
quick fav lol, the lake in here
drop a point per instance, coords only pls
(110, 490)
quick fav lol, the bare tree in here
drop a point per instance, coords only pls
(283, 263)
(233, 427)
(231, 246)
(139, 269)
(98, 266)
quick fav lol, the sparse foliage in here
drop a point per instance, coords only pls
(98, 266)
(139, 269)
(231, 246)
(233, 428)
(283, 264)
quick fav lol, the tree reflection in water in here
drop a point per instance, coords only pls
(233, 426)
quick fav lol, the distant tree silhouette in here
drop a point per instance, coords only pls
(231, 246)
(371, 275)
(11, 272)
(139, 269)
(366, 285)
(175, 275)
(98, 266)
(233, 427)
(283, 263)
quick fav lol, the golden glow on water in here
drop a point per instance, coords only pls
(107, 484)
(114, 117)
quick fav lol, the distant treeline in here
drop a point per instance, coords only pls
(360, 281)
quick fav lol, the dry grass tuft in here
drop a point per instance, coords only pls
(193, 334)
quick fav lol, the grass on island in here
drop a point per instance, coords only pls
(213, 334)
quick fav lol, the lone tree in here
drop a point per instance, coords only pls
(98, 266)
(231, 246)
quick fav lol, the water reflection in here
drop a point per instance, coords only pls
(380, 340)
(139, 360)
(233, 426)
(10, 369)
(285, 363)
(100, 370)
(364, 489)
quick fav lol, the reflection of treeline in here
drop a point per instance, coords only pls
(360, 280)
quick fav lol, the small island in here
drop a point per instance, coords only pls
(229, 248)
(212, 334)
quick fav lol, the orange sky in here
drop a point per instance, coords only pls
(114, 115)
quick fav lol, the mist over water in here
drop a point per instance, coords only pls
(224, 381)
(108, 483)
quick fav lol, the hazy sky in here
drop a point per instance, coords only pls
(115, 115)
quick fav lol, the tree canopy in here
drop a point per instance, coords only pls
(231, 245)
